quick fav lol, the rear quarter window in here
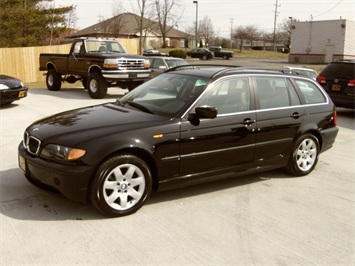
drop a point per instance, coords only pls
(311, 92)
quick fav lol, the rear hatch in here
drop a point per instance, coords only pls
(338, 77)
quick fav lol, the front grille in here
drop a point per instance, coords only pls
(31, 144)
(130, 63)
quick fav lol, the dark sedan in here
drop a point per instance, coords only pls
(180, 128)
(200, 53)
(11, 89)
(153, 52)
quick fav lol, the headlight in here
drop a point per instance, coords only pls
(146, 63)
(110, 63)
(4, 87)
(61, 153)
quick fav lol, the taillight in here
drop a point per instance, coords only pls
(321, 80)
(351, 83)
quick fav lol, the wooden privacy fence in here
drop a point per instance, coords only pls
(23, 62)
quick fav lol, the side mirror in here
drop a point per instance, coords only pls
(209, 112)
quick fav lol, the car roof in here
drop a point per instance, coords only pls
(297, 68)
(213, 71)
(165, 57)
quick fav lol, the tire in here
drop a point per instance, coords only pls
(84, 81)
(96, 86)
(205, 57)
(304, 156)
(53, 80)
(225, 57)
(132, 85)
(121, 186)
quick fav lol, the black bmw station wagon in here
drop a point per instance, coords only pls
(186, 126)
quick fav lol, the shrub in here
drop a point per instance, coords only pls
(178, 53)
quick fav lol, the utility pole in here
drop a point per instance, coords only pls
(276, 13)
(196, 38)
(231, 33)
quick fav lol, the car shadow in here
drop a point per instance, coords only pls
(77, 93)
(32, 203)
(10, 105)
(346, 118)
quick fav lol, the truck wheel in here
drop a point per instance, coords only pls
(121, 185)
(53, 80)
(133, 85)
(225, 57)
(85, 83)
(96, 86)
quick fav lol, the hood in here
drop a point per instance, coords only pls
(92, 122)
(10, 82)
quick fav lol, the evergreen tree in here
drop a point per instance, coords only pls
(31, 22)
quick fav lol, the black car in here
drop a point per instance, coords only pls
(200, 53)
(153, 52)
(183, 127)
(338, 80)
(11, 89)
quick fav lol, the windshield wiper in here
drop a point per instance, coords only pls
(139, 106)
(118, 102)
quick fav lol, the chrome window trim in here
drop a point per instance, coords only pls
(185, 114)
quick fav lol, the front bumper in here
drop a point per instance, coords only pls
(126, 76)
(69, 180)
(10, 95)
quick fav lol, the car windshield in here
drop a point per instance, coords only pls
(174, 62)
(306, 73)
(95, 46)
(166, 94)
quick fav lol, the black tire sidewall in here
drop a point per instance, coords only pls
(96, 187)
(101, 86)
(57, 82)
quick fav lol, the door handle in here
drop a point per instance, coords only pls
(296, 115)
(248, 121)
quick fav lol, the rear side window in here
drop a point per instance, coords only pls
(229, 96)
(311, 92)
(275, 92)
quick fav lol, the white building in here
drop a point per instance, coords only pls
(322, 41)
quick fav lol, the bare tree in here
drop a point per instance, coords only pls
(117, 22)
(253, 33)
(168, 13)
(241, 34)
(206, 30)
(145, 10)
(284, 32)
(266, 37)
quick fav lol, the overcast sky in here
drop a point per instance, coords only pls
(225, 14)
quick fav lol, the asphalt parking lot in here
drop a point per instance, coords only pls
(262, 219)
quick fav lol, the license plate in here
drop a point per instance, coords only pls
(133, 76)
(336, 87)
(21, 94)
(22, 163)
